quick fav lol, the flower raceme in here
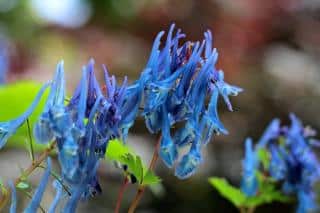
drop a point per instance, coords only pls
(178, 80)
(171, 91)
(292, 162)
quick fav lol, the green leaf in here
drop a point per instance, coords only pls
(122, 153)
(23, 185)
(150, 178)
(264, 157)
(134, 164)
(139, 169)
(116, 150)
(14, 100)
(228, 191)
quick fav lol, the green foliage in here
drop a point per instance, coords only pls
(117, 151)
(233, 194)
(14, 100)
(264, 157)
(23, 185)
(267, 193)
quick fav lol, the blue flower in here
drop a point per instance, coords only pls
(249, 183)
(167, 150)
(278, 166)
(271, 132)
(178, 79)
(189, 162)
(7, 129)
(54, 120)
(59, 192)
(292, 161)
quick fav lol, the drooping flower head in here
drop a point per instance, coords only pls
(178, 80)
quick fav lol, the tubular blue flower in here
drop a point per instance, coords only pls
(167, 150)
(36, 199)
(271, 132)
(278, 167)
(249, 183)
(13, 205)
(211, 119)
(69, 143)
(189, 162)
(54, 120)
(226, 90)
(131, 104)
(59, 192)
(7, 129)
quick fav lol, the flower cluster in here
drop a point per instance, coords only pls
(171, 92)
(292, 162)
(178, 79)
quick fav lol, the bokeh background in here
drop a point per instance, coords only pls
(269, 48)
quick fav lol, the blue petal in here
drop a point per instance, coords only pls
(167, 151)
(83, 98)
(208, 39)
(271, 132)
(71, 205)
(69, 158)
(186, 134)
(226, 90)
(42, 130)
(278, 167)
(249, 183)
(7, 129)
(189, 163)
(211, 119)
(57, 185)
(306, 202)
(36, 199)
(153, 121)
(153, 62)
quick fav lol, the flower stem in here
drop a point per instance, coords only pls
(35, 164)
(120, 195)
(141, 188)
(30, 140)
(251, 210)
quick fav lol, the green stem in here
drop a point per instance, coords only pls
(30, 140)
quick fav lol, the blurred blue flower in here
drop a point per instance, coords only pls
(250, 165)
(293, 162)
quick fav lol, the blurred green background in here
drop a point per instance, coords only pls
(269, 48)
